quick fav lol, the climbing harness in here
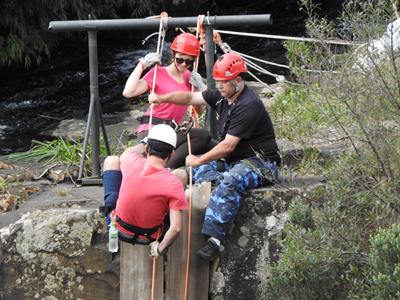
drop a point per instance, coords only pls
(137, 232)
(185, 126)
(156, 121)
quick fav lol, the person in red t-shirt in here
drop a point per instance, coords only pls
(143, 192)
(173, 77)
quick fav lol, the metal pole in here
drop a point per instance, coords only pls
(94, 96)
(103, 130)
(210, 51)
(141, 24)
(92, 26)
(85, 141)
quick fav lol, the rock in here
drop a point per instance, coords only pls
(52, 253)
(293, 153)
(252, 244)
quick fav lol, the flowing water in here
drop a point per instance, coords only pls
(34, 103)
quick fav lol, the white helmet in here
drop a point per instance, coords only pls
(163, 133)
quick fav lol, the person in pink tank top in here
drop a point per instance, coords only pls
(174, 77)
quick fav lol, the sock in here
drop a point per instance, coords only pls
(215, 240)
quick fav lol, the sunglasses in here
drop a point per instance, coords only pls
(180, 60)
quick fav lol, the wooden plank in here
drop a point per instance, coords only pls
(199, 269)
(176, 264)
(136, 269)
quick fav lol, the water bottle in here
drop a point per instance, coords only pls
(113, 238)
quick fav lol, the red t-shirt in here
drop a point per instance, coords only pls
(166, 84)
(147, 193)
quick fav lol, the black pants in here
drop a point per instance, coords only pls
(201, 142)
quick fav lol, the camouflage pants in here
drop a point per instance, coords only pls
(232, 180)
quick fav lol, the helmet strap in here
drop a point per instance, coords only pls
(235, 85)
(237, 88)
(176, 67)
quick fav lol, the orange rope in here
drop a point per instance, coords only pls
(194, 115)
(153, 279)
(153, 275)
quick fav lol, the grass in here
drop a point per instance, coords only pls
(3, 184)
(56, 151)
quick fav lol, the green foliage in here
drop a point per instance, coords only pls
(58, 151)
(292, 112)
(299, 113)
(358, 102)
(3, 184)
(340, 242)
(304, 273)
(326, 243)
(300, 214)
(24, 38)
(385, 263)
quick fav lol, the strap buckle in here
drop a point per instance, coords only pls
(185, 126)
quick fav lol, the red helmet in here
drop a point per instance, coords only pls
(186, 43)
(228, 66)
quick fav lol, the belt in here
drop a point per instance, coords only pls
(132, 239)
(155, 121)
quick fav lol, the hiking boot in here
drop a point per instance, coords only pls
(209, 252)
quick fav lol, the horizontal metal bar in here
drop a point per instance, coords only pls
(128, 24)
(90, 181)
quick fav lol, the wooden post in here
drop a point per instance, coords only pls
(199, 269)
(136, 272)
(176, 263)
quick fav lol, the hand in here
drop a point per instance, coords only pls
(193, 160)
(154, 99)
(196, 80)
(150, 59)
(154, 249)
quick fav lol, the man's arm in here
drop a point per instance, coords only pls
(175, 218)
(221, 150)
(179, 98)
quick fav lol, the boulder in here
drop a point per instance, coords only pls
(54, 247)
(242, 270)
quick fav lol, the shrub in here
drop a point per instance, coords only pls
(300, 214)
(385, 263)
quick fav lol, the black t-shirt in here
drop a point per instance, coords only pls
(247, 119)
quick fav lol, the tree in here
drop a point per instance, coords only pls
(24, 38)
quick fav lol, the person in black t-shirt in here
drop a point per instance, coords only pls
(246, 155)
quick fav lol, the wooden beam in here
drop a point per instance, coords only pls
(136, 268)
(199, 269)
